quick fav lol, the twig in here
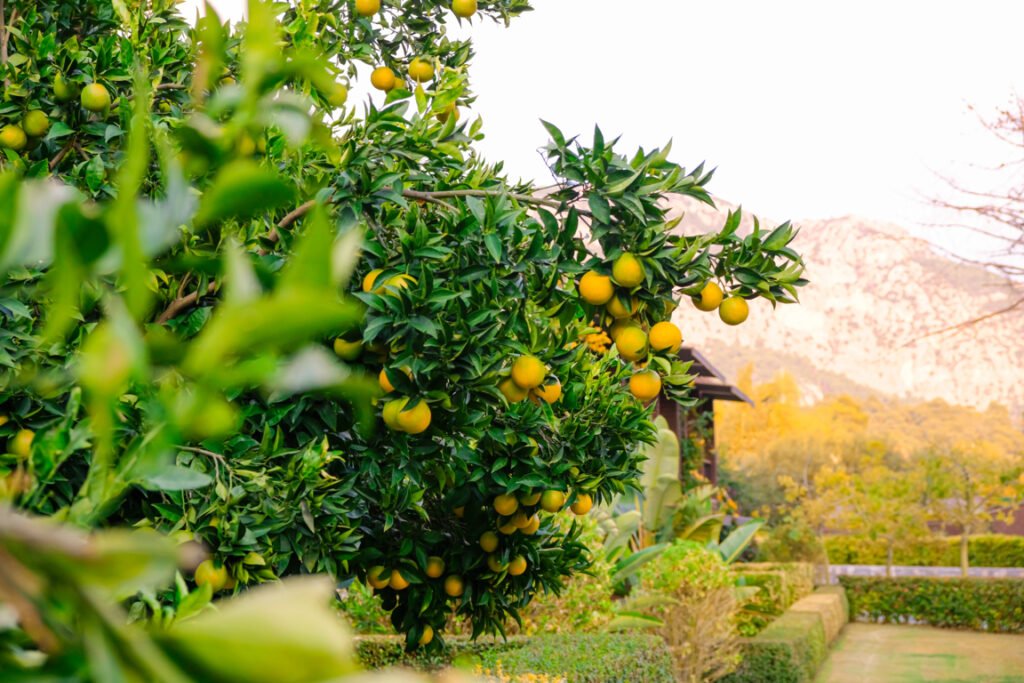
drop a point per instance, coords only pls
(968, 323)
(59, 157)
(183, 302)
(3, 39)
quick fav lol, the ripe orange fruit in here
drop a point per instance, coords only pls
(450, 110)
(628, 271)
(530, 499)
(383, 78)
(95, 97)
(397, 282)
(596, 289)
(710, 297)
(632, 343)
(618, 310)
(528, 372)
(370, 278)
(512, 392)
(494, 563)
(378, 577)
(385, 383)
(460, 511)
(13, 137)
(489, 541)
(435, 567)
(392, 409)
(645, 385)
(464, 8)
(583, 504)
(517, 566)
(531, 528)
(367, 8)
(36, 124)
(521, 520)
(428, 635)
(616, 329)
(734, 310)
(398, 581)
(665, 336)
(415, 420)
(505, 504)
(421, 70)
(552, 501)
(508, 528)
(348, 350)
(549, 393)
(208, 573)
(453, 586)
(21, 443)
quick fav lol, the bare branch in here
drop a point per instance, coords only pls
(184, 302)
(1019, 303)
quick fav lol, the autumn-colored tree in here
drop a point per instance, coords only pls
(970, 487)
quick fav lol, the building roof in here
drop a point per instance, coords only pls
(711, 383)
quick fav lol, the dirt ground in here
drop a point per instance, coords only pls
(917, 654)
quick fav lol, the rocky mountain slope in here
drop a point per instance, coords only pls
(875, 292)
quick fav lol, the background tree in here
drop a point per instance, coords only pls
(971, 486)
(165, 348)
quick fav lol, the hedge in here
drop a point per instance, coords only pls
(792, 648)
(995, 605)
(781, 585)
(991, 550)
(579, 658)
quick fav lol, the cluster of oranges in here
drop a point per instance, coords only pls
(527, 380)
(615, 296)
(35, 124)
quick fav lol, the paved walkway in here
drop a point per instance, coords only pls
(950, 572)
(875, 653)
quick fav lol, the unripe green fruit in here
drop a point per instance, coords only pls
(36, 124)
(62, 90)
(13, 137)
(95, 97)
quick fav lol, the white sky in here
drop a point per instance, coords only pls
(809, 108)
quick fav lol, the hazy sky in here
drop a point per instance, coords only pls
(808, 108)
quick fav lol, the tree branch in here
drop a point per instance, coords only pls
(59, 157)
(1019, 303)
(184, 302)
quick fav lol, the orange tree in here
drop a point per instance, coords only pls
(165, 361)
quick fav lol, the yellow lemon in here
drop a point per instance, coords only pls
(645, 385)
(596, 289)
(665, 336)
(733, 310)
(552, 501)
(632, 343)
(628, 271)
(710, 297)
(383, 78)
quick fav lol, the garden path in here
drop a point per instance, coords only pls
(946, 572)
(881, 653)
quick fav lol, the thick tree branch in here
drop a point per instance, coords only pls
(183, 302)
(59, 157)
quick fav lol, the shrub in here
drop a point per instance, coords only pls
(995, 605)
(792, 648)
(990, 550)
(780, 586)
(698, 611)
(791, 542)
(585, 658)
(363, 609)
(578, 658)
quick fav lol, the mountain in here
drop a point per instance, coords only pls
(860, 328)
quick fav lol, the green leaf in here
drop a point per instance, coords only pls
(241, 190)
(175, 478)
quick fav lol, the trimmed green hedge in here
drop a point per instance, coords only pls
(781, 584)
(995, 605)
(580, 658)
(792, 648)
(991, 550)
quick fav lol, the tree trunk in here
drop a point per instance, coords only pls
(888, 559)
(964, 559)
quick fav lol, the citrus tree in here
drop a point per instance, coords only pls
(182, 210)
